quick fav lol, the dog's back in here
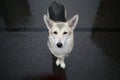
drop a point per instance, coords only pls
(57, 12)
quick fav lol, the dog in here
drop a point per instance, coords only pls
(61, 37)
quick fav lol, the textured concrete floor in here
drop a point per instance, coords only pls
(24, 54)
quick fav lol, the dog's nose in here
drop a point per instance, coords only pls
(59, 44)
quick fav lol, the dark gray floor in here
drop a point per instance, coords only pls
(24, 54)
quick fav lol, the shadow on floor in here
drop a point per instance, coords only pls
(108, 17)
(57, 70)
(13, 11)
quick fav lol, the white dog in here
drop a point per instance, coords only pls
(61, 37)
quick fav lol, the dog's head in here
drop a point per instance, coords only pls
(61, 32)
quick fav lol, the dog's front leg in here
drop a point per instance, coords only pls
(62, 65)
(60, 61)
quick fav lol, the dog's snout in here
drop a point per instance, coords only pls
(59, 44)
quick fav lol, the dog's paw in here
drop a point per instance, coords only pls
(62, 65)
(58, 62)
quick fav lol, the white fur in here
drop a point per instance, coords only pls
(66, 39)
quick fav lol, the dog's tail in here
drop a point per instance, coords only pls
(56, 11)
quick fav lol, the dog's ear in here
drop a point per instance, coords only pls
(48, 22)
(73, 21)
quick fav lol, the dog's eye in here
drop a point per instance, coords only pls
(65, 33)
(55, 32)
